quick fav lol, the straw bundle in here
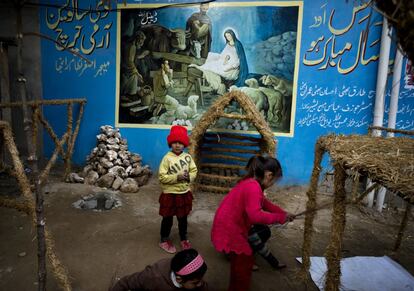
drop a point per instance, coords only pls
(388, 161)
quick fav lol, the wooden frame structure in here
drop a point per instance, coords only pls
(386, 161)
(37, 117)
(33, 204)
(226, 150)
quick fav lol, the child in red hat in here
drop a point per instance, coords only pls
(177, 170)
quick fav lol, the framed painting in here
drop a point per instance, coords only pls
(174, 61)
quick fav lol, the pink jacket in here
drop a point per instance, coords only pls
(242, 207)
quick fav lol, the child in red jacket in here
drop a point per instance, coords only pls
(244, 206)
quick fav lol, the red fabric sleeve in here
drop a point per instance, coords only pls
(253, 205)
(269, 206)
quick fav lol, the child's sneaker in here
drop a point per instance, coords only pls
(185, 244)
(168, 247)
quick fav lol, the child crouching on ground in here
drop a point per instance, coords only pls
(184, 271)
(177, 170)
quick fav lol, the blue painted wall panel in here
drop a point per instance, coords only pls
(328, 99)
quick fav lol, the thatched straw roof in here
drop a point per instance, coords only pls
(388, 161)
(216, 111)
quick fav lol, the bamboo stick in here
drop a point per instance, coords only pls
(230, 150)
(69, 127)
(43, 102)
(228, 142)
(231, 135)
(224, 157)
(333, 252)
(22, 91)
(49, 129)
(234, 116)
(221, 166)
(406, 132)
(218, 177)
(402, 228)
(74, 136)
(214, 189)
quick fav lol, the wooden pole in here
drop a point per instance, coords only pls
(21, 89)
(333, 252)
(5, 114)
(31, 149)
(310, 206)
(402, 227)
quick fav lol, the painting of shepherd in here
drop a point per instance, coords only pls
(174, 62)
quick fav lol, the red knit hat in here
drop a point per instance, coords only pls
(178, 133)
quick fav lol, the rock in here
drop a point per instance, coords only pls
(142, 180)
(109, 203)
(286, 35)
(274, 39)
(135, 158)
(277, 50)
(112, 141)
(86, 170)
(101, 170)
(101, 152)
(128, 170)
(146, 171)
(117, 183)
(126, 163)
(106, 180)
(135, 172)
(123, 147)
(22, 254)
(113, 147)
(102, 146)
(118, 162)
(101, 137)
(124, 155)
(112, 155)
(104, 162)
(118, 171)
(129, 186)
(74, 178)
(91, 177)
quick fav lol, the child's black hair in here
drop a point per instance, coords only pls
(257, 165)
(182, 259)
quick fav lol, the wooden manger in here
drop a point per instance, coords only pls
(386, 161)
(221, 157)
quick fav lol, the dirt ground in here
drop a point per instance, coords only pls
(98, 246)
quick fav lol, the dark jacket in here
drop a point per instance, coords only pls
(156, 277)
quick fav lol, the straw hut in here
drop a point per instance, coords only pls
(388, 162)
(221, 156)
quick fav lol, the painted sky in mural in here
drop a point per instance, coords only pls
(175, 62)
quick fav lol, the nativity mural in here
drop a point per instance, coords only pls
(174, 62)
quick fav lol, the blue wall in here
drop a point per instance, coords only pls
(329, 99)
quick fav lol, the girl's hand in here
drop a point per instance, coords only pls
(290, 217)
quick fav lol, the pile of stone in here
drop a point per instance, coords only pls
(276, 55)
(110, 165)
